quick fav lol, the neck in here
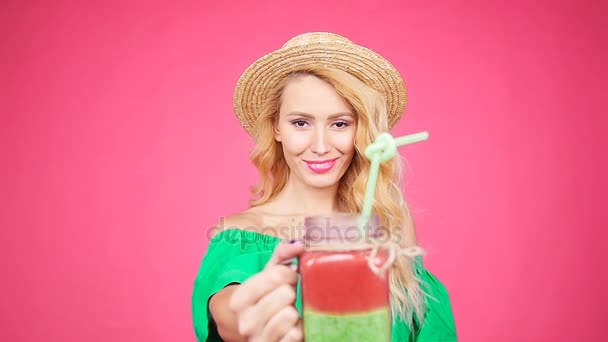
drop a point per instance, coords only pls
(298, 199)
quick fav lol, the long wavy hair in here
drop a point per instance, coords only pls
(407, 296)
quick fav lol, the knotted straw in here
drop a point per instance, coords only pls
(383, 149)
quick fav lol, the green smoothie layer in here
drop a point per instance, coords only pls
(367, 326)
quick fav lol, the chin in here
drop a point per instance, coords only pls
(322, 183)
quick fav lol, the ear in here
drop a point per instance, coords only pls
(277, 133)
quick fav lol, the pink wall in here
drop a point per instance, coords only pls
(117, 130)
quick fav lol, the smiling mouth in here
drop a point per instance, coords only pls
(321, 166)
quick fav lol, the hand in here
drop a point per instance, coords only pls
(264, 304)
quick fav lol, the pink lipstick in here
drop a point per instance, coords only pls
(321, 166)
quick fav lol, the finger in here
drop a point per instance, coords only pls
(255, 318)
(295, 334)
(280, 324)
(258, 286)
(284, 252)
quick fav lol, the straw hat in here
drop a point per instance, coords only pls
(317, 49)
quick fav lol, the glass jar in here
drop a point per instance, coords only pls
(344, 297)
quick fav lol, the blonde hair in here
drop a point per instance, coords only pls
(407, 297)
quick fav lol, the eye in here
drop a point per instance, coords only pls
(341, 124)
(299, 123)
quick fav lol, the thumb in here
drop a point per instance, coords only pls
(286, 251)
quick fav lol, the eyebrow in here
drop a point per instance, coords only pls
(310, 116)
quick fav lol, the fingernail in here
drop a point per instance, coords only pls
(295, 242)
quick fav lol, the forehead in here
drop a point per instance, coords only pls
(310, 94)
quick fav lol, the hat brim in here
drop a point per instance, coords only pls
(371, 68)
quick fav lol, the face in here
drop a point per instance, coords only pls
(316, 127)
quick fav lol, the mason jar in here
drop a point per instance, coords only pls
(345, 291)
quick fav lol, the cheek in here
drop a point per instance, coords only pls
(345, 144)
(295, 143)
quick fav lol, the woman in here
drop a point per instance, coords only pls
(312, 108)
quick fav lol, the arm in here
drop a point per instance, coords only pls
(227, 261)
(224, 318)
(239, 299)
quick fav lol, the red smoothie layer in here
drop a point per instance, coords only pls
(341, 282)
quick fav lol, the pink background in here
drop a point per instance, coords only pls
(120, 148)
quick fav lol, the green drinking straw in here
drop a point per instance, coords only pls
(381, 150)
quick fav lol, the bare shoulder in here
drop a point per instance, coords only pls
(245, 220)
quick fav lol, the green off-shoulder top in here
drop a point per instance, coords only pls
(234, 255)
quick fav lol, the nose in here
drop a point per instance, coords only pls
(320, 144)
